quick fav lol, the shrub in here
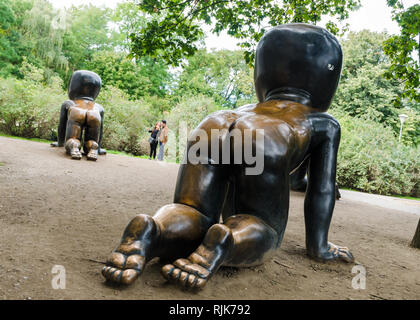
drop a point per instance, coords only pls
(190, 111)
(126, 122)
(370, 159)
(28, 109)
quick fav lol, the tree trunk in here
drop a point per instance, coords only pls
(416, 240)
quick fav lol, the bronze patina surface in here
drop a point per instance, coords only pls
(82, 113)
(297, 70)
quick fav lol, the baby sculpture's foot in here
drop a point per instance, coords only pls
(75, 154)
(102, 152)
(92, 155)
(123, 268)
(335, 252)
(196, 270)
(127, 261)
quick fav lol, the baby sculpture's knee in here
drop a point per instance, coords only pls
(142, 226)
(219, 236)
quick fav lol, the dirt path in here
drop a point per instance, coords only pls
(55, 211)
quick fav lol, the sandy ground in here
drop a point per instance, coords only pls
(56, 211)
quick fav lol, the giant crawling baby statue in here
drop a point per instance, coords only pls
(297, 70)
(82, 113)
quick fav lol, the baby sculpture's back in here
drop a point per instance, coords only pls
(84, 104)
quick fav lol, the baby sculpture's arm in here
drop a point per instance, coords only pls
(320, 193)
(101, 130)
(61, 133)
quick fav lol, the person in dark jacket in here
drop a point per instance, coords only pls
(153, 140)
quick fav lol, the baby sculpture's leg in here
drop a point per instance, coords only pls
(92, 131)
(242, 240)
(174, 231)
(75, 122)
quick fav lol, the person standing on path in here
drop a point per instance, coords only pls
(163, 139)
(153, 140)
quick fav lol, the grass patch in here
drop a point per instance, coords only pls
(27, 139)
(385, 195)
(120, 153)
(409, 198)
(1, 164)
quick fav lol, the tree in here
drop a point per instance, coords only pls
(43, 35)
(136, 78)
(175, 26)
(221, 75)
(88, 32)
(364, 91)
(401, 48)
(11, 46)
(31, 29)
(128, 19)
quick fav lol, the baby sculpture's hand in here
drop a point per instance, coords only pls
(56, 145)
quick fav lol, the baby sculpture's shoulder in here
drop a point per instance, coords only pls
(99, 107)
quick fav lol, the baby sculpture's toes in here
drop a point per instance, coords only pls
(123, 269)
(186, 274)
(340, 253)
(75, 154)
(92, 155)
(127, 261)
(334, 252)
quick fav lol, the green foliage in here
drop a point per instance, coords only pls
(175, 26)
(186, 115)
(137, 79)
(87, 31)
(402, 48)
(364, 92)
(221, 75)
(28, 108)
(125, 122)
(11, 46)
(371, 160)
(128, 18)
(42, 35)
(56, 41)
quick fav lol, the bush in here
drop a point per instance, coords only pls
(188, 113)
(370, 159)
(126, 122)
(28, 109)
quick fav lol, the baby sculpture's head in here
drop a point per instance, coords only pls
(84, 85)
(298, 59)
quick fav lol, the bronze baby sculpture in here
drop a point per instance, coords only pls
(82, 113)
(297, 70)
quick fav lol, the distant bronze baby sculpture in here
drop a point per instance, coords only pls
(297, 70)
(82, 113)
